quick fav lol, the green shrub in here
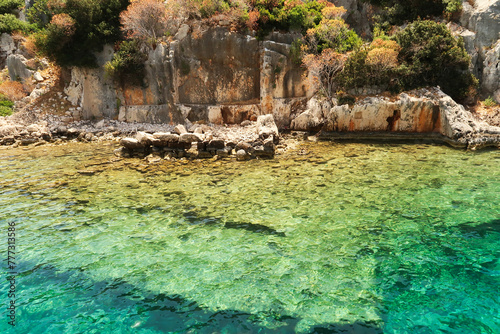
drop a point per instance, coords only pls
(6, 106)
(96, 23)
(7, 6)
(296, 52)
(127, 63)
(40, 14)
(346, 99)
(331, 33)
(428, 55)
(283, 15)
(10, 23)
(208, 8)
(431, 56)
(355, 72)
(490, 102)
(396, 12)
(185, 68)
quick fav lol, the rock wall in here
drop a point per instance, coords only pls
(428, 111)
(213, 75)
(481, 32)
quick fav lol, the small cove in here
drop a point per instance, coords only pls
(381, 238)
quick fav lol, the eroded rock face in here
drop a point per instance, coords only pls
(216, 68)
(7, 47)
(357, 16)
(482, 19)
(211, 75)
(491, 72)
(16, 65)
(422, 111)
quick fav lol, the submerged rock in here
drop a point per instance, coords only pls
(241, 155)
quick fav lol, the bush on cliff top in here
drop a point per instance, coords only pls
(431, 56)
(426, 54)
(8, 21)
(7, 6)
(82, 27)
(396, 12)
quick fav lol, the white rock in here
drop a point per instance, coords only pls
(38, 77)
(180, 129)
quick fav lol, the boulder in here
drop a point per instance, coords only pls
(131, 143)
(182, 32)
(16, 65)
(180, 129)
(38, 77)
(7, 47)
(266, 126)
(241, 155)
(190, 138)
(8, 130)
(311, 119)
(162, 139)
(144, 138)
(215, 144)
(32, 128)
(243, 146)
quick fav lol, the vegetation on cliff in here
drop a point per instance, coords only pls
(78, 28)
(398, 12)
(5, 106)
(423, 53)
(9, 21)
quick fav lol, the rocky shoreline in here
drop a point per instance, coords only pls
(419, 116)
(256, 141)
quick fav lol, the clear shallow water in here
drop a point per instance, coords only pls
(352, 238)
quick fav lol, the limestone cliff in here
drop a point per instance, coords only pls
(213, 75)
(480, 28)
(427, 111)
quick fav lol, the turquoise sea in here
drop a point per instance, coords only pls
(327, 238)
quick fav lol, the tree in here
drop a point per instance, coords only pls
(8, 6)
(325, 67)
(332, 33)
(383, 55)
(145, 20)
(431, 56)
(96, 23)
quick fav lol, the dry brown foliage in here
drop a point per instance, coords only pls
(29, 46)
(253, 19)
(383, 55)
(13, 90)
(65, 22)
(145, 19)
(324, 68)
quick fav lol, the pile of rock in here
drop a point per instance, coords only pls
(200, 145)
(193, 145)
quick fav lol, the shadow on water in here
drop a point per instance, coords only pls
(480, 229)
(444, 280)
(193, 218)
(72, 295)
